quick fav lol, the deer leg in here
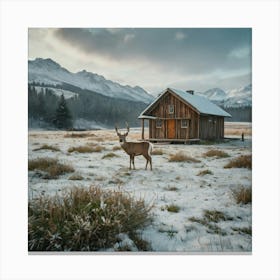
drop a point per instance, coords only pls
(130, 159)
(151, 163)
(133, 162)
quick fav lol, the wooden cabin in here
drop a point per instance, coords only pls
(182, 116)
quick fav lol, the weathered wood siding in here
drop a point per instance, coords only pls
(211, 127)
(181, 111)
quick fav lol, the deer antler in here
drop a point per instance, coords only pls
(127, 126)
(116, 128)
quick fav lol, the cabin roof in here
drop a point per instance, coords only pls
(200, 103)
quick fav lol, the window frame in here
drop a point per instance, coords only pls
(187, 123)
(171, 112)
(157, 121)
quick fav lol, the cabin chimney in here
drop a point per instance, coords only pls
(190, 91)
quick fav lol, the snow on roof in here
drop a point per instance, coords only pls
(200, 103)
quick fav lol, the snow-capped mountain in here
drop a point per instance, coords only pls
(49, 72)
(240, 97)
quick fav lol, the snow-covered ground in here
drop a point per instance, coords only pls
(176, 183)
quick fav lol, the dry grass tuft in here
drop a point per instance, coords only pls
(205, 172)
(173, 208)
(180, 157)
(244, 230)
(242, 195)
(157, 152)
(240, 162)
(51, 166)
(172, 188)
(85, 219)
(216, 153)
(47, 147)
(116, 148)
(110, 155)
(76, 177)
(78, 135)
(86, 149)
(209, 220)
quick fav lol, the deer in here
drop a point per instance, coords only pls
(133, 149)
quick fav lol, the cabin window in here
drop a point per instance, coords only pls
(171, 109)
(158, 123)
(185, 123)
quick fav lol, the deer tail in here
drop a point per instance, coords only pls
(150, 148)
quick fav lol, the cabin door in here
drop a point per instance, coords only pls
(171, 130)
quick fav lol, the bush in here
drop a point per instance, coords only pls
(51, 166)
(216, 153)
(242, 195)
(179, 157)
(84, 220)
(240, 162)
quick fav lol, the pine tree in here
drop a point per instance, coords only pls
(63, 118)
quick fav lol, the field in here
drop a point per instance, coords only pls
(199, 195)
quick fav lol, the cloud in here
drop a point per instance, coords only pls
(150, 57)
(180, 35)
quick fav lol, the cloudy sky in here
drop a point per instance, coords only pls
(186, 58)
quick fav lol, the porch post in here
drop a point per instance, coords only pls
(143, 128)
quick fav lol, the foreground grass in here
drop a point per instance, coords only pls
(51, 166)
(240, 162)
(85, 220)
(210, 219)
(180, 157)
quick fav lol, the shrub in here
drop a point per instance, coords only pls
(242, 195)
(85, 149)
(51, 166)
(204, 172)
(179, 157)
(240, 162)
(47, 147)
(84, 220)
(216, 153)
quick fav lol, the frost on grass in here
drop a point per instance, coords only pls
(85, 149)
(180, 157)
(170, 183)
(51, 166)
(85, 220)
(244, 161)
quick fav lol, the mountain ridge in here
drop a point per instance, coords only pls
(48, 71)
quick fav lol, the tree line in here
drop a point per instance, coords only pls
(55, 110)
